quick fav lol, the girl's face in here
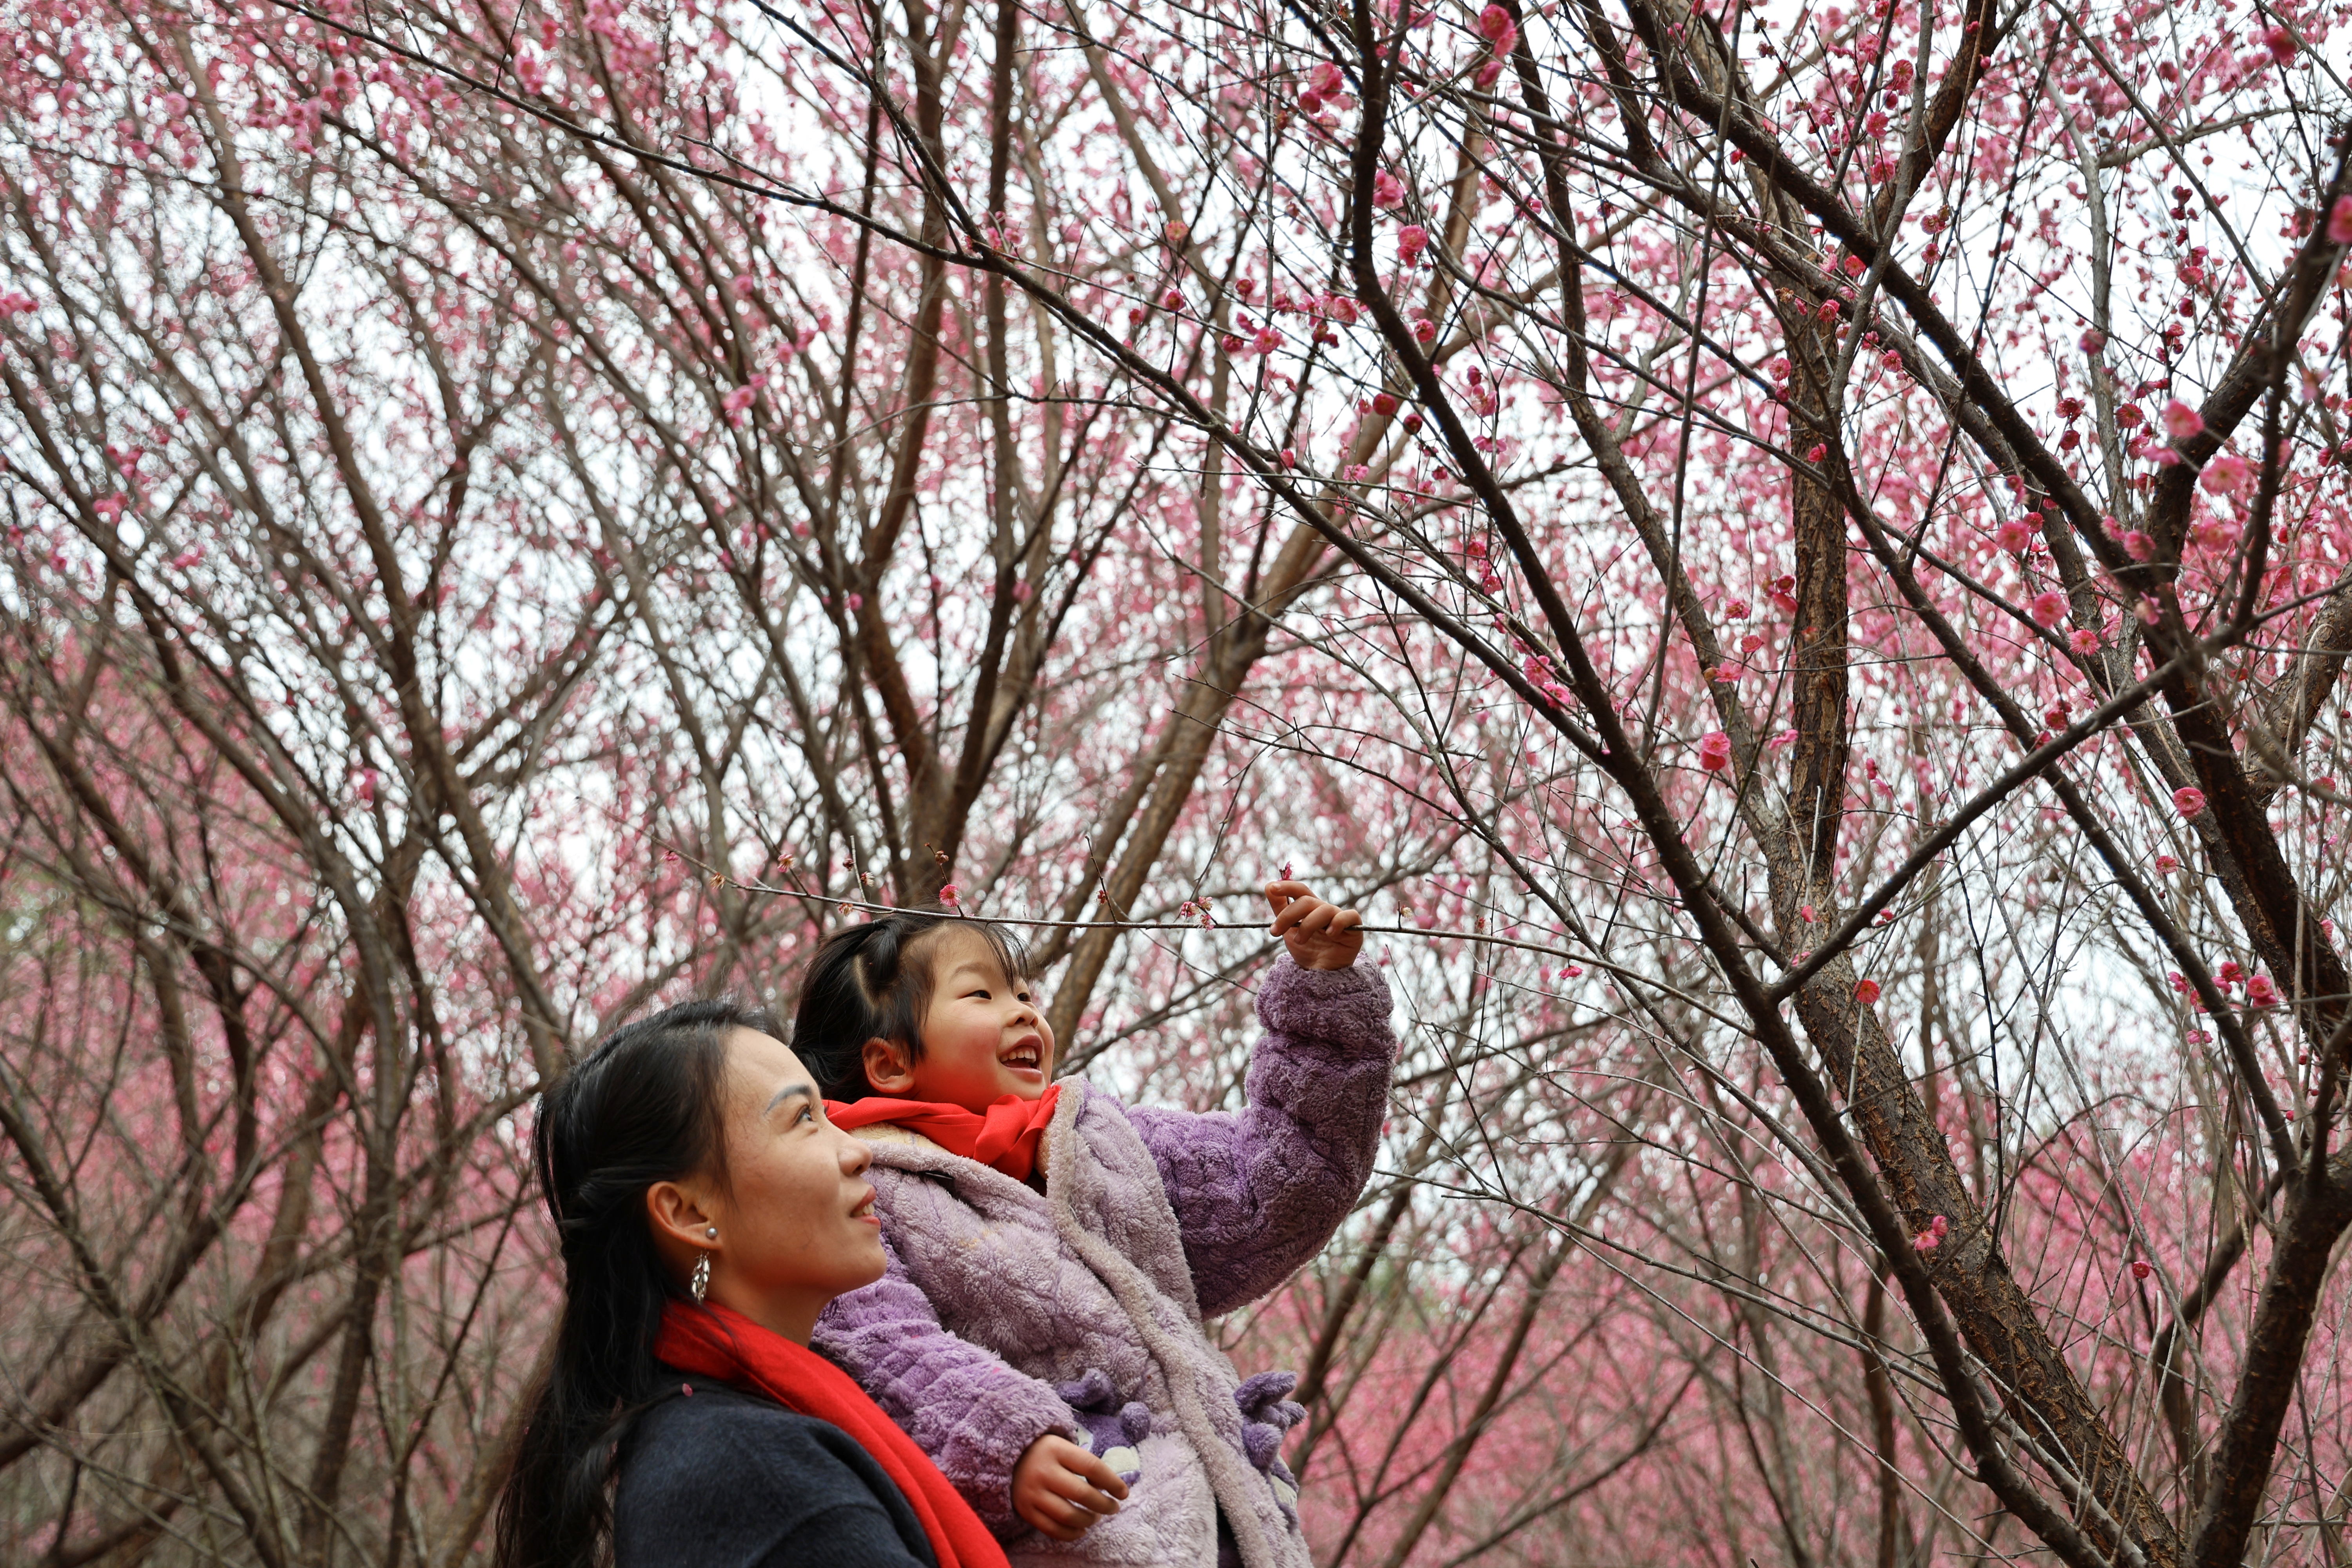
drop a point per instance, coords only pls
(983, 1040)
(796, 1217)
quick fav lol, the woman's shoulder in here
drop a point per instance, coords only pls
(716, 1476)
(692, 1412)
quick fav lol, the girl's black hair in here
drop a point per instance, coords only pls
(873, 982)
(646, 1105)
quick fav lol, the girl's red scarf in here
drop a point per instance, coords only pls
(1005, 1135)
(715, 1343)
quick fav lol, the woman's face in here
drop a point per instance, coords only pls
(796, 1217)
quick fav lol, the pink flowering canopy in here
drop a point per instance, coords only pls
(1792, 561)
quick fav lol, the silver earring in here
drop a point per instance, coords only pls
(701, 1285)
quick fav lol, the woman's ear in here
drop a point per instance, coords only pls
(890, 1067)
(683, 1216)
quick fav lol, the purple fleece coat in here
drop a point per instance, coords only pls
(1150, 1221)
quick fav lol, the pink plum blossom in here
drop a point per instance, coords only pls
(2339, 221)
(2226, 472)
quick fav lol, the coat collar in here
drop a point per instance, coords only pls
(898, 1148)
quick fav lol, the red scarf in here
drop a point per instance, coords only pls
(1005, 1135)
(714, 1341)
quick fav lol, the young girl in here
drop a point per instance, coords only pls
(1052, 1253)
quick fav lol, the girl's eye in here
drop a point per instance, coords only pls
(807, 1114)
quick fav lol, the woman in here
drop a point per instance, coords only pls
(706, 1212)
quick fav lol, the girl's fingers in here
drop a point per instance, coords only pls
(1049, 1515)
(1088, 1485)
(1066, 1519)
(1060, 1518)
(1302, 918)
(1066, 1490)
(1312, 916)
(1328, 920)
(1087, 1498)
(1096, 1469)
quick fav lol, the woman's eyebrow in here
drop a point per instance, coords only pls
(787, 1092)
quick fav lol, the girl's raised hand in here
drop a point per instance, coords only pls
(1320, 935)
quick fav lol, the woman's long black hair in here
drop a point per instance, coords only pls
(646, 1105)
(873, 982)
